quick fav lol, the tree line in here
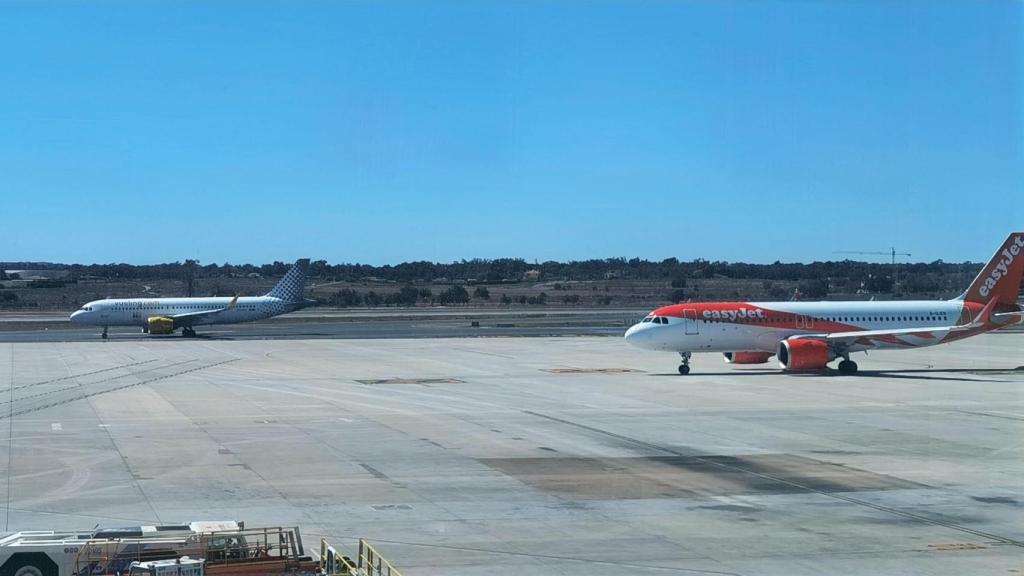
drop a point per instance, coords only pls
(916, 276)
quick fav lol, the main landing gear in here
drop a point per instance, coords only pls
(188, 332)
(847, 366)
(684, 368)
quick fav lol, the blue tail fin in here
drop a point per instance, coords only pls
(291, 286)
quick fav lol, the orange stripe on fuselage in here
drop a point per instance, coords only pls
(746, 314)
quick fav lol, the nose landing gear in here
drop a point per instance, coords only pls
(684, 368)
(104, 334)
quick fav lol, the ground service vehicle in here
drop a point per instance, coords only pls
(228, 548)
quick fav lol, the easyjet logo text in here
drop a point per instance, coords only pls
(1003, 268)
(742, 313)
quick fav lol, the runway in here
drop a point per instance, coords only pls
(360, 324)
(511, 456)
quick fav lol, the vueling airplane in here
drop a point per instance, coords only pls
(809, 335)
(165, 315)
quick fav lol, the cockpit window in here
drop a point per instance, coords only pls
(648, 319)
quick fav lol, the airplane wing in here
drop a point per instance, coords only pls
(891, 336)
(190, 317)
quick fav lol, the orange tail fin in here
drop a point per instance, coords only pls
(1000, 279)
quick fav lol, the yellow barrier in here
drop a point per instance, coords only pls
(373, 562)
(333, 562)
(369, 562)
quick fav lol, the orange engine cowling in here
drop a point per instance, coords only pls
(747, 357)
(804, 354)
(160, 325)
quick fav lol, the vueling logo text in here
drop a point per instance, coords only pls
(1003, 268)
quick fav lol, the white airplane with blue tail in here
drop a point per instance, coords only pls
(165, 315)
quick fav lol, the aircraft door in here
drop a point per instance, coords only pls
(690, 321)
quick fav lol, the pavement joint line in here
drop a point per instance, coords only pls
(991, 415)
(281, 494)
(120, 454)
(80, 385)
(72, 376)
(849, 499)
(12, 414)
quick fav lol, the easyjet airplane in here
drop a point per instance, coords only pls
(165, 315)
(809, 335)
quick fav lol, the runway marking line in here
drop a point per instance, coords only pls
(413, 381)
(590, 370)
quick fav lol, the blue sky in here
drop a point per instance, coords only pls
(383, 132)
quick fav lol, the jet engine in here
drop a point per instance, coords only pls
(747, 357)
(804, 354)
(160, 325)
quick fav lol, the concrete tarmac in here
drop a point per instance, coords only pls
(511, 456)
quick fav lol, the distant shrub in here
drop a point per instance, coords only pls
(344, 298)
(454, 295)
(373, 299)
(407, 296)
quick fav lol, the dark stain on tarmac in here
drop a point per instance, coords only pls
(691, 477)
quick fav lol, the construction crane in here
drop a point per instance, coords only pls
(891, 252)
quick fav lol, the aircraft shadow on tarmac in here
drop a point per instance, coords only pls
(908, 374)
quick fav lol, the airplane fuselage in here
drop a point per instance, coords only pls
(760, 326)
(809, 335)
(138, 311)
(165, 315)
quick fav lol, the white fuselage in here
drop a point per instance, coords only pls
(138, 311)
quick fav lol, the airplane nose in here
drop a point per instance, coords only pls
(76, 314)
(637, 335)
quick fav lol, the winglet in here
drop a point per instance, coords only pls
(233, 302)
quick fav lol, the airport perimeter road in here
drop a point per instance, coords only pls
(550, 456)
